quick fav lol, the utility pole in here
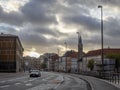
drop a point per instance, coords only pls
(102, 58)
(78, 66)
(58, 60)
(66, 56)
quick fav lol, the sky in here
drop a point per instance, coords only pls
(44, 25)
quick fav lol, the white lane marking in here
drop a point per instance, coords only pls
(17, 83)
(32, 79)
(44, 80)
(28, 84)
(4, 86)
(57, 86)
(17, 78)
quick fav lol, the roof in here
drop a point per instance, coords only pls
(74, 55)
(105, 52)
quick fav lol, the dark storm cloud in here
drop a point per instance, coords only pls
(39, 11)
(82, 20)
(94, 3)
(47, 31)
(115, 3)
(35, 11)
(35, 36)
(13, 18)
(33, 39)
(112, 27)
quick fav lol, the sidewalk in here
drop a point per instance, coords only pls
(116, 85)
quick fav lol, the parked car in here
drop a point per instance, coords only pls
(35, 73)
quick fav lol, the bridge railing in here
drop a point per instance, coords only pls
(109, 76)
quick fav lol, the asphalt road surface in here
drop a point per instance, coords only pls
(48, 81)
(52, 81)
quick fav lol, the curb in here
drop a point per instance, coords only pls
(89, 85)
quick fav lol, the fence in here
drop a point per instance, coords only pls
(110, 76)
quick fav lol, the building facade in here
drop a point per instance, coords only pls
(108, 64)
(11, 52)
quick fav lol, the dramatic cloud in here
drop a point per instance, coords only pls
(39, 11)
(46, 24)
(13, 18)
(82, 20)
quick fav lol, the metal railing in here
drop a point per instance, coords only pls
(109, 76)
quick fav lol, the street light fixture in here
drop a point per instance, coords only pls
(100, 6)
(66, 57)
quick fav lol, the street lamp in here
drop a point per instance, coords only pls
(58, 60)
(100, 6)
(66, 57)
(78, 52)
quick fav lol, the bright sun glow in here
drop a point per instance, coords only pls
(32, 53)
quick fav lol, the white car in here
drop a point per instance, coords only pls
(35, 73)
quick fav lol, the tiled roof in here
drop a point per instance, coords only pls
(105, 51)
(74, 55)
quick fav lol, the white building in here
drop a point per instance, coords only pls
(109, 64)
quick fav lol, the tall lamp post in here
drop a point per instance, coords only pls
(100, 6)
(66, 56)
(58, 60)
(78, 52)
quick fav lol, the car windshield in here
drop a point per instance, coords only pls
(34, 71)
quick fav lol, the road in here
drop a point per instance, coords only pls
(48, 81)
(52, 81)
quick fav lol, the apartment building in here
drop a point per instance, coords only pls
(11, 52)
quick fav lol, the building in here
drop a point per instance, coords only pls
(62, 64)
(29, 63)
(109, 64)
(50, 60)
(74, 62)
(11, 52)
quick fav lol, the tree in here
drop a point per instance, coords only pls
(116, 57)
(90, 64)
(43, 65)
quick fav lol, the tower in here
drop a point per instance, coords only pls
(80, 49)
(80, 53)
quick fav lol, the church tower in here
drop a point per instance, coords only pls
(80, 49)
